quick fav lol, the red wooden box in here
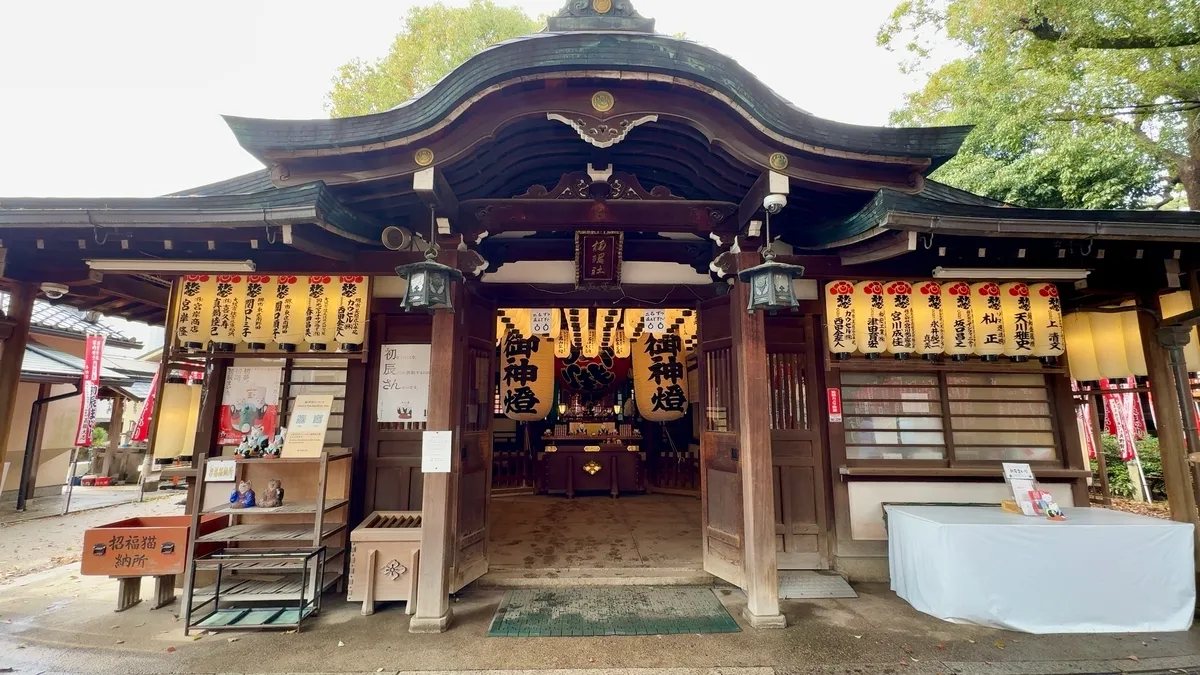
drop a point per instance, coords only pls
(148, 546)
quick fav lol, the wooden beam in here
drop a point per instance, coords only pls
(508, 215)
(433, 612)
(1171, 443)
(20, 312)
(769, 183)
(132, 288)
(433, 189)
(315, 241)
(754, 437)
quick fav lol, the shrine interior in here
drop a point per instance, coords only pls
(595, 442)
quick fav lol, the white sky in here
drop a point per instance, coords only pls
(123, 97)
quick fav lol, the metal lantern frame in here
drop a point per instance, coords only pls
(771, 282)
(429, 282)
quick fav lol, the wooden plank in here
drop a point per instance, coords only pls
(20, 311)
(754, 431)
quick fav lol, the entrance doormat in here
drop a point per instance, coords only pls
(808, 585)
(614, 610)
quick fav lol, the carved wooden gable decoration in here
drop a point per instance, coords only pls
(580, 185)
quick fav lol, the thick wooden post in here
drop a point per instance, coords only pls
(20, 311)
(754, 438)
(1171, 445)
(433, 612)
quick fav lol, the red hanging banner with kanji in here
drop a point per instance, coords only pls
(141, 430)
(89, 389)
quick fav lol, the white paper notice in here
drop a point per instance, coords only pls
(404, 383)
(655, 321)
(436, 451)
(539, 321)
(220, 471)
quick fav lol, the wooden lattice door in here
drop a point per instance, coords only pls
(720, 474)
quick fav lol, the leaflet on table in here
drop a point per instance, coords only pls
(1044, 505)
(1021, 481)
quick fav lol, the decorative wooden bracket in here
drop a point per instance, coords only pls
(581, 185)
(602, 133)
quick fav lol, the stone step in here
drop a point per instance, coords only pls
(559, 578)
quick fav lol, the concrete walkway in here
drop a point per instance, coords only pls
(60, 622)
(82, 499)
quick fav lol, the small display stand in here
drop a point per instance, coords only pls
(286, 603)
(313, 516)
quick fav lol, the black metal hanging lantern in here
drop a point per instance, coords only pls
(771, 282)
(429, 281)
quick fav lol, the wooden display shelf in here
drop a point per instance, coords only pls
(305, 508)
(333, 456)
(264, 590)
(267, 532)
(263, 567)
(242, 618)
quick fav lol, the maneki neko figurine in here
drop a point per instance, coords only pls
(242, 497)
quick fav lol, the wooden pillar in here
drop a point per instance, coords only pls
(114, 434)
(754, 438)
(20, 311)
(433, 613)
(1171, 445)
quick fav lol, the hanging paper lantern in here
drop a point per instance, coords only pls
(257, 307)
(194, 310)
(578, 374)
(1017, 321)
(660, 377)
(350, 330)
(632, 323)
(1108, 339)
(1174, 304)
(989, 319)
(898, 308)
(1134, 355)
(1048, 340)
(841, 328)
(927, 320)
(526, 377)
(290, 305)
(225, 324)
(320, 322)
(958, 316)
(1077, 331)
(591, 344)
(872, 319)
(562, 345)
(621, 346)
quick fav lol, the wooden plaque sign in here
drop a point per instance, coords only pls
(598, 259)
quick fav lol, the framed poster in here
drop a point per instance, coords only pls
(403, 394)
(598, 257)
(306, 430)
(250, 404)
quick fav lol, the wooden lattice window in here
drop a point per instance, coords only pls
(719, 414)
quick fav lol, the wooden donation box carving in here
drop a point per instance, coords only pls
(384, 559)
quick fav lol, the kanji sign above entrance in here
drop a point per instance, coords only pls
(598, 259)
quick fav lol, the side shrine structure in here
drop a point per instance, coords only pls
(628, 266)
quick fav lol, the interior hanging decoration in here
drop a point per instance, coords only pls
(194, 310)
(257, 326)
(952, 319)
(660, 377)
(526, 376)
(354, 299)
(319, 322)
(290, 305)
(224, 328)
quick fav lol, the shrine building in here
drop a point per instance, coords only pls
(633, 277)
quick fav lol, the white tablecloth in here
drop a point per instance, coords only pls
(1100, 571)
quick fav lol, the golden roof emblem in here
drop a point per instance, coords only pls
(602, 6)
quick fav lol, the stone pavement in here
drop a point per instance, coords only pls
(82, 499)
(57, 621)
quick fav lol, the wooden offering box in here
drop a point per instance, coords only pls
(384, 559)
(139, 547)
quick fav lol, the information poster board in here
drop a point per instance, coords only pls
(306, 429)
(403, 394)
(437, 449)
(250, 404)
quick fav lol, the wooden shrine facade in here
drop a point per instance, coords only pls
(602, 125)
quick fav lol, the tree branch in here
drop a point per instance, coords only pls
(1043, 30)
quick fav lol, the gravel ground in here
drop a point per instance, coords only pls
(37, 545)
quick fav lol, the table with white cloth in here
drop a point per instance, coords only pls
(1099, 571)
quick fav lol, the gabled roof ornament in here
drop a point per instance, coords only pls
(597, 15)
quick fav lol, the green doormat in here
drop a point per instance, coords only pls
(615, 610)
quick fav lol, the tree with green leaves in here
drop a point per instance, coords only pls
(433, 40)
(1077, 103)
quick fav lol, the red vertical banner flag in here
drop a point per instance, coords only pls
(89, 389)
(141, 430)
(1133, 402)
(1116, 409)
(1083, 421)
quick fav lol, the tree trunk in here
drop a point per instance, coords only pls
(1189, 167)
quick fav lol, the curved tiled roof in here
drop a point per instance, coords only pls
(610, 51)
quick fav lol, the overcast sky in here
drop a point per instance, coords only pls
(123, 98)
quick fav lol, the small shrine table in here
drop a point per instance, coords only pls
(1099, 571)
(571, 464)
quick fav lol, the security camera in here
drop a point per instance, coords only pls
(54, 291)
(774, 203)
